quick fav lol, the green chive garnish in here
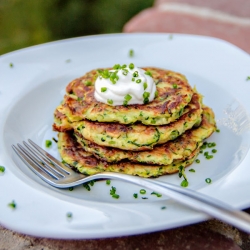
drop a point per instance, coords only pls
(135, 74)
(248, 78)
(2, 169)
(12, 205)
(103, 89)
(197, 161)
(208, 180)
(162, 208)
(109, 101)
(192, 170)
(71, 188)
(86, 185)
(145, 85)
(108, 182)
(131, 66)
(214, 151)
(11, 65)
(88, 83)
(157, 194)
(131, 53)
(135, 195)
(156, 93)
(117, 66)
(146, 97)
(142, 191)
(69, 215)
(138, 81)
(184, 183)
(148, 73)
(48, 143)
(175, 86)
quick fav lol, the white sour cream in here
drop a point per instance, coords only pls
(125, 85)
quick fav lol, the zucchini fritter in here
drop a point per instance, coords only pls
(163, 154)
(164, 159)
(74, 155)
(174, 93)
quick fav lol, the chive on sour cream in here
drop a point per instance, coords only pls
(125, 85)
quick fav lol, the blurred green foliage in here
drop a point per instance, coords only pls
(28, 22)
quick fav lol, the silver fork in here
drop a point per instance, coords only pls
(59, 175)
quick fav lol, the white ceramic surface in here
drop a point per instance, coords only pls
(35, 85)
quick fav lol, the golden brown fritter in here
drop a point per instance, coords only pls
(174, 93)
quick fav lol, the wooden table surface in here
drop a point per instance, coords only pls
(212, 235)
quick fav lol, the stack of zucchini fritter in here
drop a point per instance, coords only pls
(148, 140)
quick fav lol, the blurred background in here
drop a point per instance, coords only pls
(29, 22)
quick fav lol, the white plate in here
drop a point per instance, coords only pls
(35, 85)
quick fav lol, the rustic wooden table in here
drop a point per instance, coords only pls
(212, 235)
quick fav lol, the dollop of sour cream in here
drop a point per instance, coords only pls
(125, 85)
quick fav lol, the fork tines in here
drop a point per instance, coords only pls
(42, 163)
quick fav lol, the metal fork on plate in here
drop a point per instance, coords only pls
(59, 175)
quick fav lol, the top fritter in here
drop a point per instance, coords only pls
(173, 94)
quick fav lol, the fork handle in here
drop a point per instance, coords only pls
(190, 198)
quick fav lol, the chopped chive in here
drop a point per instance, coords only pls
(88, 83)
(248, 78)
(125, 72)
(217, 130)
(109, 101)
(128, 97)
(117, 66)
(92, 183)
(71, 188)
(209, 157)
(208, 180)
(157, 194)
(144, 198)
(191, 170)
(108, 182)
(135, 195)
(112, 190)
(11, 65)
(197, 161)
(146, 97)
(12, 205)
(162, 208)
(214, 151)
(138, 81)
(103, 89)
(86, 185)
(116, 196)
(131, 53)
(69, 215)
(148, 73)
(175, 86)
(124, 66)
(170, 37)
(135, 74)
(48, 143)
(2, 169)
(156, 93)
(145, 85)
(142, 191)
(131, 66)
(54, 139)
(184, 183)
